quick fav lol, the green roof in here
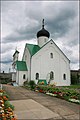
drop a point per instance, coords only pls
(21, 66)
(40, 81)
(32, 48)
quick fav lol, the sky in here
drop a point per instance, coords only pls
(21, 20)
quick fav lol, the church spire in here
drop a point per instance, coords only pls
(42, 35)
(43, 24)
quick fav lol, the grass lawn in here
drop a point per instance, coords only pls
(73, 86)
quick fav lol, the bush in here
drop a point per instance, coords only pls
(5, 94)
(32, 84)
(74, 79)
(7, 105)
(25, 83)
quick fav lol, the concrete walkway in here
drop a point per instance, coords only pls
(30, 109)
(32, 105)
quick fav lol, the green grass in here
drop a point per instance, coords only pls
(73, 86)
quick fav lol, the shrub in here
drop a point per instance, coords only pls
(32, 84)
(25, 83)
(5, 94)
(74, 79)
(7, 105)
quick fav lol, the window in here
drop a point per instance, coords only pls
(24, 76)
(51, 55)
(37, 76)
(64, 76)
(51, 75)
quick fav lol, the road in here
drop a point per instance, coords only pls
(64, 109)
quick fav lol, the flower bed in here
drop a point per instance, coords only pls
(6, 109)
(62, 93)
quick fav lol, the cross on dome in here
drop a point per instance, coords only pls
(43, 32)
(43, 24)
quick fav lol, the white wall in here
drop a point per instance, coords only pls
(14, 76)
(26, 58)
(15, 58)
(19, 77)
(42, 40)
(43, 64)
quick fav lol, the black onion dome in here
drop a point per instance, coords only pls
(43, 32)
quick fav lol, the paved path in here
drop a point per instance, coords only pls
(41, 106)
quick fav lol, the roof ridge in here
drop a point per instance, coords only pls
(32, 48)
(18, 60)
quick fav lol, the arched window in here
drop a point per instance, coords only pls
(24, 76)
(51, 55)
(37, 76)
(51, 75)
(64, 76)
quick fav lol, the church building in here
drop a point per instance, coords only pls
(42, 62)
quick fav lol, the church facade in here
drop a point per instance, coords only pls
(44, 61)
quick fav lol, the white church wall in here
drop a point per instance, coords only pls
(14, 76)
(26, 58)
(64, 69)
(19, 77)
(43, 64)
(42, 40)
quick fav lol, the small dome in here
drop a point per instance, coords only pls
(43, 32)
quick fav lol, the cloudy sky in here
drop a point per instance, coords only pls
(21, 20)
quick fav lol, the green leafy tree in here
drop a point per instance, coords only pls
(74, 79)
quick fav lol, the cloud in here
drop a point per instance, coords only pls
(6, 62)
(5, 48)
(27, 24)
(21, 20)
(62, 22)
(6, 67)
(6, 56)
(20, 35)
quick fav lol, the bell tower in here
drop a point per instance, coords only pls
(15, 58)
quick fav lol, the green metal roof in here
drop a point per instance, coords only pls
(32, 48)
(21, 66)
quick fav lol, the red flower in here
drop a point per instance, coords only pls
(40, 90)
(4, 119)
(2, 91)
(5, 98)
(55, 92)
